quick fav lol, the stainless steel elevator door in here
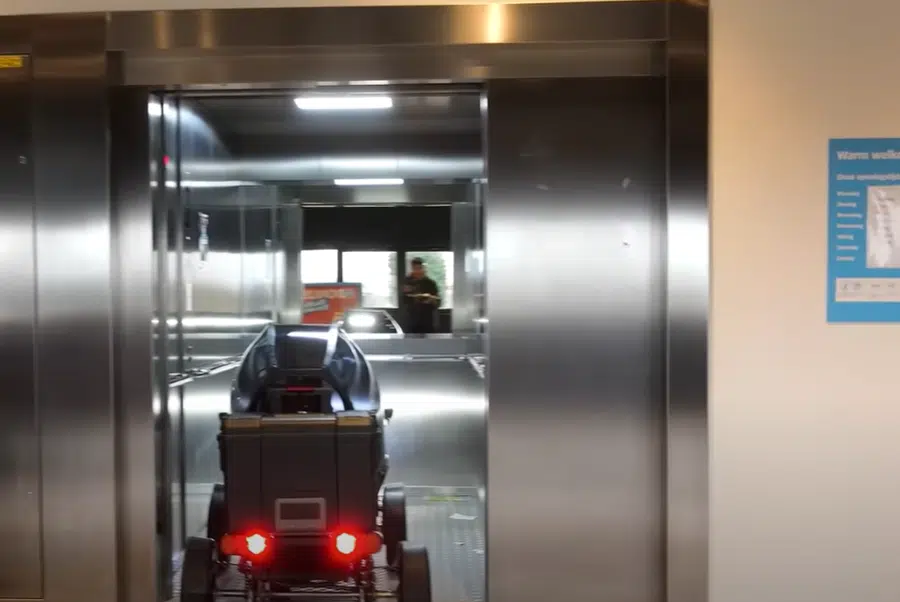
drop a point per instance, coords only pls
(20, 471)
(575, 292)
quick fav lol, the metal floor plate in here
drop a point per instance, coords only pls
(449, 521)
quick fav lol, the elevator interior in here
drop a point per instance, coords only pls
(263, 195)
(595, 268)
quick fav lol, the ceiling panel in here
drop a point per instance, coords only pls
(272, 124)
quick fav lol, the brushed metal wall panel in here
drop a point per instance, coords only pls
(75, 310)
(133, 289)
(450, 25)
(20, 471)
(575, 297)
(255, 68)
(688, 302)
(235, 48)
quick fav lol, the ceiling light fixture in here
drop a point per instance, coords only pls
(344, 103)
(369, 182)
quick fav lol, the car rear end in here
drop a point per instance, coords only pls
(301, 493)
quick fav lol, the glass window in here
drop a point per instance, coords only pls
(439, 267)
(319, 266)
(376, 271)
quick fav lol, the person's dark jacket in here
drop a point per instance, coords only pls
(419, 315)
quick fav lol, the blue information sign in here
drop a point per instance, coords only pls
(864, 230)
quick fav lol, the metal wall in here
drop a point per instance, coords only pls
(74, 303)
(78, 481)
(20, 511)
(135, 424)
(687, 297)
(576, 292)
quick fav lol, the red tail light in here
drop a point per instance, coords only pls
(356, 544)
(345, 543)
(257, 544)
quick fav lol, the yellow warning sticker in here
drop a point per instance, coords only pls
(12, 61)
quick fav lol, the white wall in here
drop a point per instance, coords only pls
(805, 417)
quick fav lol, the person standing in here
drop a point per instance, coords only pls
(421, 299)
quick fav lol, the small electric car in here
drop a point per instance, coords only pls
(306, 345)
(299, 513)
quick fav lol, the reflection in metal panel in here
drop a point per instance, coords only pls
(448, 25)
(575, 232)
(688, 294)
(238, 48)
(133, 292)
(218, 71)
(75, 311)
(20, 487)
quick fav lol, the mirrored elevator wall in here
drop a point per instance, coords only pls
(222, 233)
(216, 284)
(467, 242)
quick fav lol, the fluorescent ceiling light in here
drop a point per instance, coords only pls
(343, 103)
(204, 184)
(216, 322)
(369, 182)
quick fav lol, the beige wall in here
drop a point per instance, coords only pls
(805, 417)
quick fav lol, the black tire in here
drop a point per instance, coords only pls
(198, 570)
(414, 574)
(217, 515)
(393, 521)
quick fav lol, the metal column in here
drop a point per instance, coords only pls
(292, 243)
(463, 235)
(133, 290)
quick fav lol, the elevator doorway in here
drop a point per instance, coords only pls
(264, 197)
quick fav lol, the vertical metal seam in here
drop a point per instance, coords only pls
(116, 335)
(274, 309)
(164, 502)
(38, 415)
(179, 320)
(485, 195)
(667, 319)
(242, 296)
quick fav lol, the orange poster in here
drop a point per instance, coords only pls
(325, 303)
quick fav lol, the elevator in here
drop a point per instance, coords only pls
(579, 327)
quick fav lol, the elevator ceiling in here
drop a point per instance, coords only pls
(272, 125)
